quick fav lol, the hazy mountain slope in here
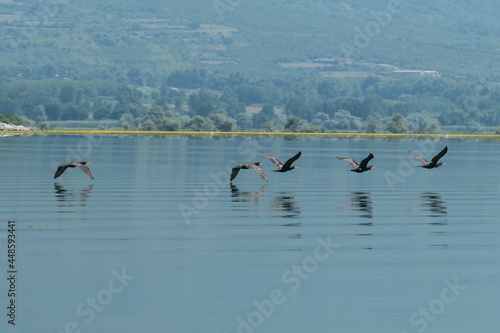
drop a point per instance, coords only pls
(109, 39)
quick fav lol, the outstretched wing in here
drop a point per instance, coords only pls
(350, 161)
(60, 170)
(272, 159)
(290, 161)
(364, 162)
(257, 169)
(84, 169)
(436, 158)
(235, 171)
(421, 159)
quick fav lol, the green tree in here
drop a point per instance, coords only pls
(135, 76)
(9, 105)
(222, 122)
(127, 95)
(72, 111)
(230, 103)
(162, 120)
(103, 112)
(397, 124)
(327, 89)
(198, 123)
(156, 114)
(372, 125)
(354, 106)
(119, 110)
(53, 111)
(167, 95)
(293, 124)
(416, 123)
(42, 124)
(171, 124)
(251, 93)
(259, 119)
(342, 120)
(319, 119)
(268, 110)
(453, 117)
(299, 108)
(148, 125)
(244, 121)
(369, 82)
(188, 79)
(68, 94)
(203, 103)
(432, 129)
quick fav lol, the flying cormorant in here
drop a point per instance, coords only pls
(434, 162)
(280, 167)
(362, 167)
(60, 170)
(254, 166)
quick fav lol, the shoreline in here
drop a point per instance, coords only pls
(4, 127)
(263, 134)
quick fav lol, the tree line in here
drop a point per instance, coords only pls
(196, 99)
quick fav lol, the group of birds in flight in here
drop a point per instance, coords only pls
(359, 168)
(280, 167)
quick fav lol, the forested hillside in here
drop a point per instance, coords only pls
(96, 39)
(309, 65)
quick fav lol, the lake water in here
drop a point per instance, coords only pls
(160, 241)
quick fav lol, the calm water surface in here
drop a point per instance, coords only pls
(160, 241)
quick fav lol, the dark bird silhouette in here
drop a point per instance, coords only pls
(60, 170)
(280, 167)
(361, 167)
(434, 162)
(254, 166)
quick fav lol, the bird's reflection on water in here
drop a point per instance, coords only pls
(433, 211)
(433, 205)
(72, 197)
(283, 203)
(354, 214)
(247, 197)
(288, 207)
(361, 203)
(287, 204)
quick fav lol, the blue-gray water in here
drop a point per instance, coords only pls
(160, 241)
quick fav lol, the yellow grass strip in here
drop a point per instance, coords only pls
(269, 134)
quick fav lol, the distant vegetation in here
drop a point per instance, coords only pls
(10, 119)
(272, 66)
(417, 105)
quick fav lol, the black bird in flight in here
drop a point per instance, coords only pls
(361, 167)
(60, 170)
(254, 166)
(280, 167)
(434, 162)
